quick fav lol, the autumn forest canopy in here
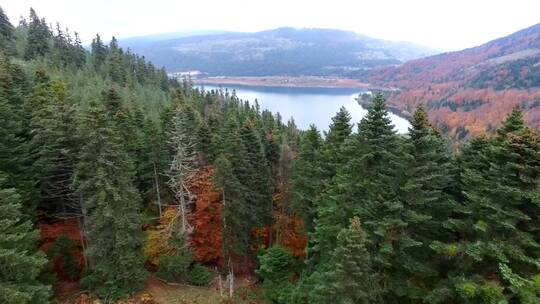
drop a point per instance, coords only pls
(112, 174)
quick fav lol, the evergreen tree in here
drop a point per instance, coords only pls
(276, 267)
(307, 177)
(256, 175)
(104, 180)
(98, 52)
(15, 159)
(351, 278)
(338, 133)
(38, 37)
(7, 36)
(79, 53)
(20, 260)
(497, 257)
(41, 122)
(427, 210)
(365, 185)
(115, 66)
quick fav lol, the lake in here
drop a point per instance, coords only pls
(308, 105)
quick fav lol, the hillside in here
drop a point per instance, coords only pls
(472, 88)
(282, 51)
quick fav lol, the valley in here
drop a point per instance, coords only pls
(303, 165)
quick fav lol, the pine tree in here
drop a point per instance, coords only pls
(500, 184)
(42, 137)
(7, 36)
(350, 278)
(307, 177)
(98, 52)
(427, 209)
(276, 267)
(38, 37)
(244, 178)
(20, 260)
(256, 175)
(104, 180)
(366, 184)
(339, 132)
(79, 53)
(57, 153)
(115, 66)
(15, 159)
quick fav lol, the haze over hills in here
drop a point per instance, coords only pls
(282, 51)
(469, 90)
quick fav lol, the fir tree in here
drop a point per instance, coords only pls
(15, 159)
(7, 36)
(38, 37)
(307, 177)
(20, 260)
(339, 132)
(79, 53)
(427, 210)
(98, 52)
(500, 187)
(104, 180)
(351, 278)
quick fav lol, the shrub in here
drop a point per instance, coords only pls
(61, 252)
(276, 267)
(200, 275)
(175, 268)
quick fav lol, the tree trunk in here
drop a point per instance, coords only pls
(157, 190)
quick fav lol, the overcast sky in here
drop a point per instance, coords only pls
(444, 25)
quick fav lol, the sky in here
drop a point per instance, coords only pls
(444, 25)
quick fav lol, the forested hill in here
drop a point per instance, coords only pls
(282, 51)
(470, 91)
(97, 145)
(111, 176)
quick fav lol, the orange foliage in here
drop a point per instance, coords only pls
(288, 229)
(207, 235)
(448, 78)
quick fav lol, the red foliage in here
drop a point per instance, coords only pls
(49, 232)
(207, 235)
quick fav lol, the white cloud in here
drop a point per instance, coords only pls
(445, 25)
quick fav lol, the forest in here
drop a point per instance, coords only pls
(112, 174)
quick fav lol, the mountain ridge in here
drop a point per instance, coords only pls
(465, 91)
(282, 51)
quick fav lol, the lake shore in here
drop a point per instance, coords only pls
(286, 81)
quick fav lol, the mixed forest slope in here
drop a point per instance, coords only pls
(113, 175)
(468, 91)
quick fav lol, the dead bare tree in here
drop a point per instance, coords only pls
(181, 170)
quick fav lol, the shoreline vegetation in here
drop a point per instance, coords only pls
(288, 81)
(306, 82)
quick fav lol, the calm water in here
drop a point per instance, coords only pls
(308, 105)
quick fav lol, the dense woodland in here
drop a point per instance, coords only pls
(110, 173)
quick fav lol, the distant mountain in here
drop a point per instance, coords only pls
(468, 90)
(143, 41)
(283, 51)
